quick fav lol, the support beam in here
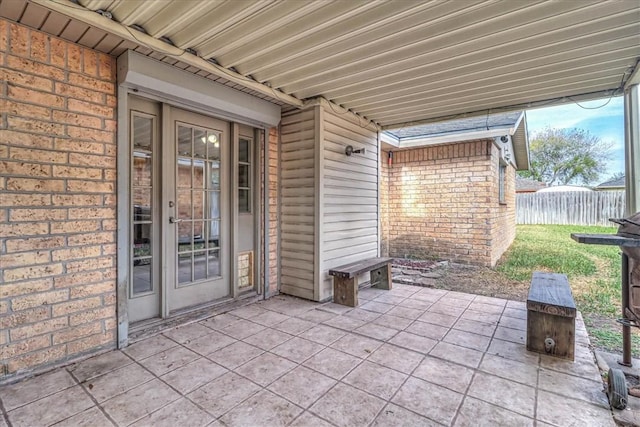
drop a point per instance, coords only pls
(632, 148)
(89, 17)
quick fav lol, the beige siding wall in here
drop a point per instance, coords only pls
(349, 230)
(443, 203)
(297, 203)
(57, 200)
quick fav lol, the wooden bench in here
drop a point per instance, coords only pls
(551, 315)
(345, 278)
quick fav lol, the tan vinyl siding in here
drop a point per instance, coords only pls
(350, 195)
(297, 204)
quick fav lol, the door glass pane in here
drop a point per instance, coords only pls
(199, 144)
(214, 234)
(198, 174)
(141, 204)
(198, 235)
(213, 263)
(243, 178)
(199, 265)
(184, 141)
(142, 132)
(243, 151)
(214, 172)
(243, 201)
(141, 175)
(184, 204)
(142, 240)
(142, 276)
(214, 205)
(213, 146)
(184, 267)
(185, 236)
(184, 173)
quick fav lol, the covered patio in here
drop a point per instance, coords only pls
(411, 356)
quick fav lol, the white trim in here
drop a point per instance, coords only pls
(139, 72)
(453, 137)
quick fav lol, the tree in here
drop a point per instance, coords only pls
(566, 156)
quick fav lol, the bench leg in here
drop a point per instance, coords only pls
(559, 329)
(381, 277)
(345, 291)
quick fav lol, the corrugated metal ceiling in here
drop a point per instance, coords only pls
(393, 62)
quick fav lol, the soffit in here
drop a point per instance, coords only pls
(397, 62)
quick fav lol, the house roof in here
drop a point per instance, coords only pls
(528, 185)
(491, 126)
(613, 183)
(392, 63)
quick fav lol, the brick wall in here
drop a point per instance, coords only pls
(443, 203)
(272, 147)
(384, 203)
(57, 199)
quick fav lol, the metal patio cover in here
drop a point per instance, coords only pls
(393, 62)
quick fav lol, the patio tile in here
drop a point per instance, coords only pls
(518, 305)
(377, 307)
(438, 319)
(562, 411)
(92, 417)
(513, 351)
(405, 291)
(375, 379)
(525, 373)
(515, 313)
(242, 329)
(476, 413)
(187, 333)
(334, 308)
(193, 375)
(323, 334)
(220, 321)
(32, 389)
(460, 295)
(265, 369)
(51, 409)
(455, 300)
(370, 293)
(397, 358)
(407, 313)
(139, 401)
(581, 367)
(415, 304)
(169, 360)
(476, 327)
(378, 332)
(429, 294)
(264, 408)
(389, 299)
(449, 310)
(428, 330)
(235, 355)
(499, 302)
(396, 416)
(427, 399)
(223, 393)
(467, 339)
(486, 308)
(148, 347)
(513, 323)
(344, 323)
(504, 393)
(333, 363)
(209, 343)
(302, 386)
(356, 345)
(297, 349)
(248, 311)
(117, 382)
(307, 419)
(443, 373)
(413, 342)
(477, 316)
(346, 406)
(574, 387)
(294, 326)
(513, 335)
(270, 318)
(393, 322)
(364, 315)
(182, 412)
(99, 365)
(268, 339)
(315, 316)
(453, 353)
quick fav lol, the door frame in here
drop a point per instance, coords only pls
(123, 239)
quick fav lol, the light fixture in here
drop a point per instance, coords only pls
(349, 150)
(212, 139)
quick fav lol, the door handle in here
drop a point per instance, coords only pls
(173, 220)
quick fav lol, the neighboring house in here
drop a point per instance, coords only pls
(526, 185)
(448, 188)
(163, 157)
(616, 184)
(563, 189)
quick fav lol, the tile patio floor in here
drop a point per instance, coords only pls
(410, 356)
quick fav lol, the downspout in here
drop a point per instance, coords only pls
(265, 151)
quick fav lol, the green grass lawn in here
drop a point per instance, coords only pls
(593, 271)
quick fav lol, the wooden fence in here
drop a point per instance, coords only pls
(570, 208)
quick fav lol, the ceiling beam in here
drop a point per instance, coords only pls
(89, 17)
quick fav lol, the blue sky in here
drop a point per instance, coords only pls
(606, 122)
